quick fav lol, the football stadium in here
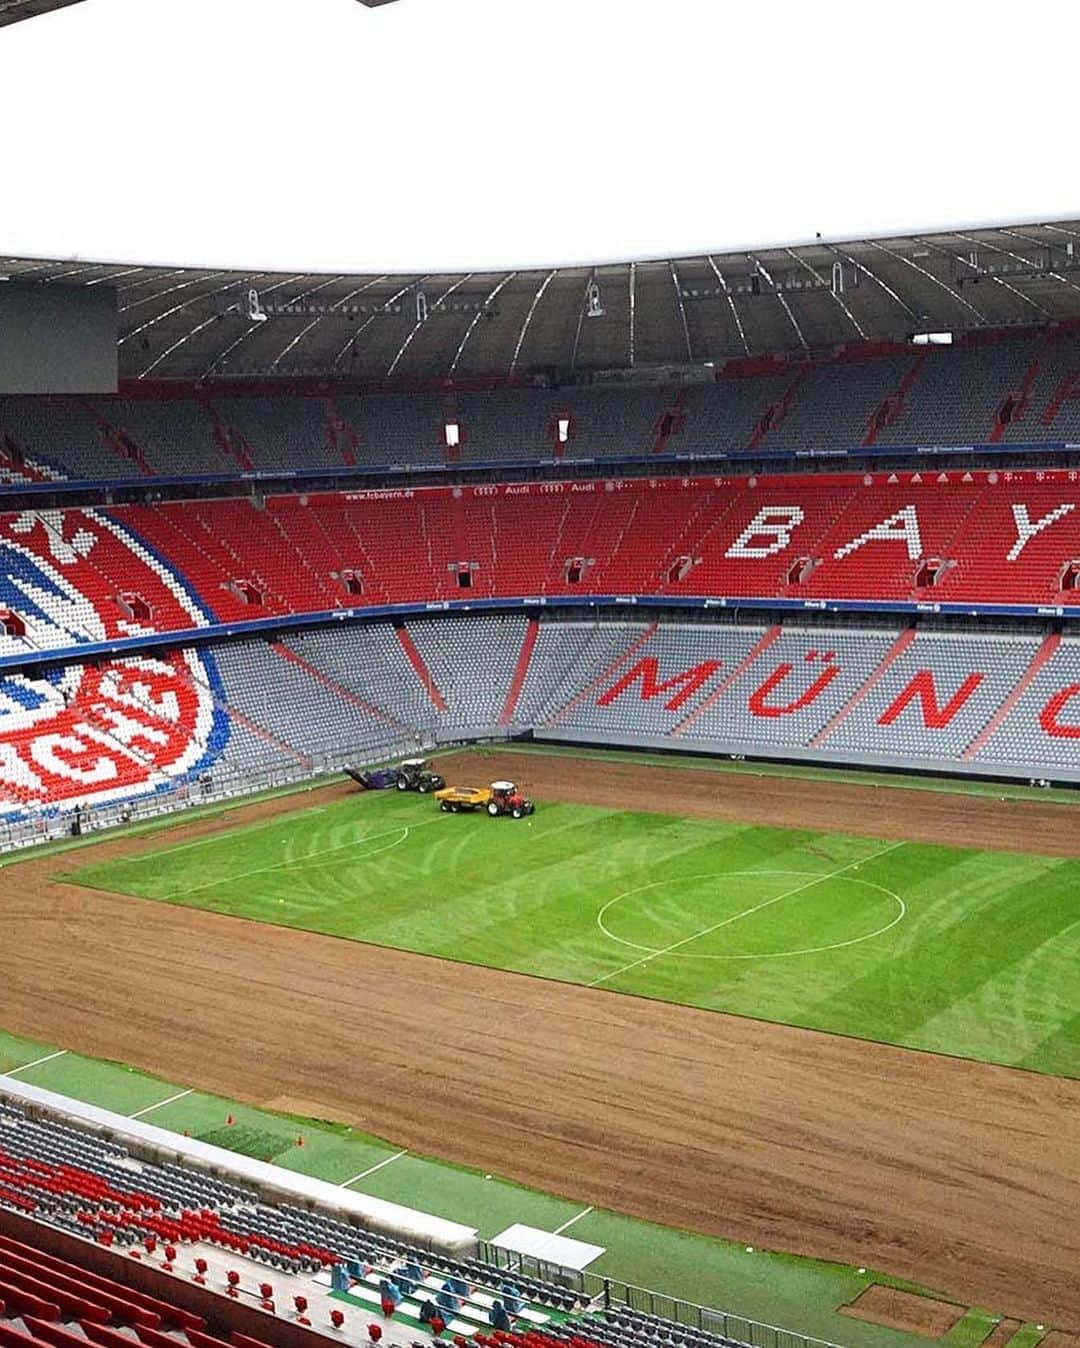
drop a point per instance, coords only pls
(539, 806)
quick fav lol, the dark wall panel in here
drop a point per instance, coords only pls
(57, 339)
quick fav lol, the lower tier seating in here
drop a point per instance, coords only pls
(109, 1209)
(174, 726)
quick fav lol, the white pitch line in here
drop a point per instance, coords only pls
(372, 1168)
(150, 1108)
(560, 1229)
(787, 894)
(36, 1063)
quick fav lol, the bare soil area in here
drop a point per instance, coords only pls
(928, 1318)
(1058, 1339)
(1002, 1332)
(958, 1175)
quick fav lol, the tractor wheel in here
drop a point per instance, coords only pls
(423, 787)
(492, 808)
(402, 784)
(454, 807)
(517, 811)
(445, 806)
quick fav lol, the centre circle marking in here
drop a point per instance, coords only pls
(812, 876)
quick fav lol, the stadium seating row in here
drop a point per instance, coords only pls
(73, 577)
(176, 1219)
(136, 727)
(1010, 387)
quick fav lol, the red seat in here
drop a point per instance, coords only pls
(104, 1337)
(72, 1305)
(10, 1337)
(55, 1335)
(21, 1302)
(72, 1281)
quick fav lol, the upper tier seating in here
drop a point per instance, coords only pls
(1013, 386)
(835, 404)
(956, 395)
(174, 438)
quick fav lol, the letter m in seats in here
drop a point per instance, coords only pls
(647, 673)
(923, 687)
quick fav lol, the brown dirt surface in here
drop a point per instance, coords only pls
(925, 1316)
(906, 814)
(1058, 1339)
(961, 1176)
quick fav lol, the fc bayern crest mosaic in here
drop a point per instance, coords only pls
(109, 728)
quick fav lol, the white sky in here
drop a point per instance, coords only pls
(321, 135)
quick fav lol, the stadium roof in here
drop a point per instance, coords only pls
(190, 322)
(11, 11)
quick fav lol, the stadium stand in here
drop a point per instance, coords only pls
(95, 1189)
(110, 724)
(173, 437)
(79, 576)
(102, 1198)
(178, 726)
(1014, 386)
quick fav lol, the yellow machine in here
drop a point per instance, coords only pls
(452, 799)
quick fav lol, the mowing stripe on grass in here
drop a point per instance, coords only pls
(305, 860)
(735, 917)
(247, 829)
(377, 1166)
(36, 1063)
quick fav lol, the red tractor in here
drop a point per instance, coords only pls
(506, 799)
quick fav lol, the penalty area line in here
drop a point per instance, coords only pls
(735, 917)
(26, 1066)
(245, 829)
(158, 1104)
(404, 829)
(372, 1168)
(566, 1225)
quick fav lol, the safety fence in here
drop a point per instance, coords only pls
(614, 1294)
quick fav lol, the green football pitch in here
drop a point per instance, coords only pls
(956, 951)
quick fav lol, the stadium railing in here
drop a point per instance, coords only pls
(615, 1294)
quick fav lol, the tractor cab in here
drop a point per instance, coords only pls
(414, 774)
(506, 799)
